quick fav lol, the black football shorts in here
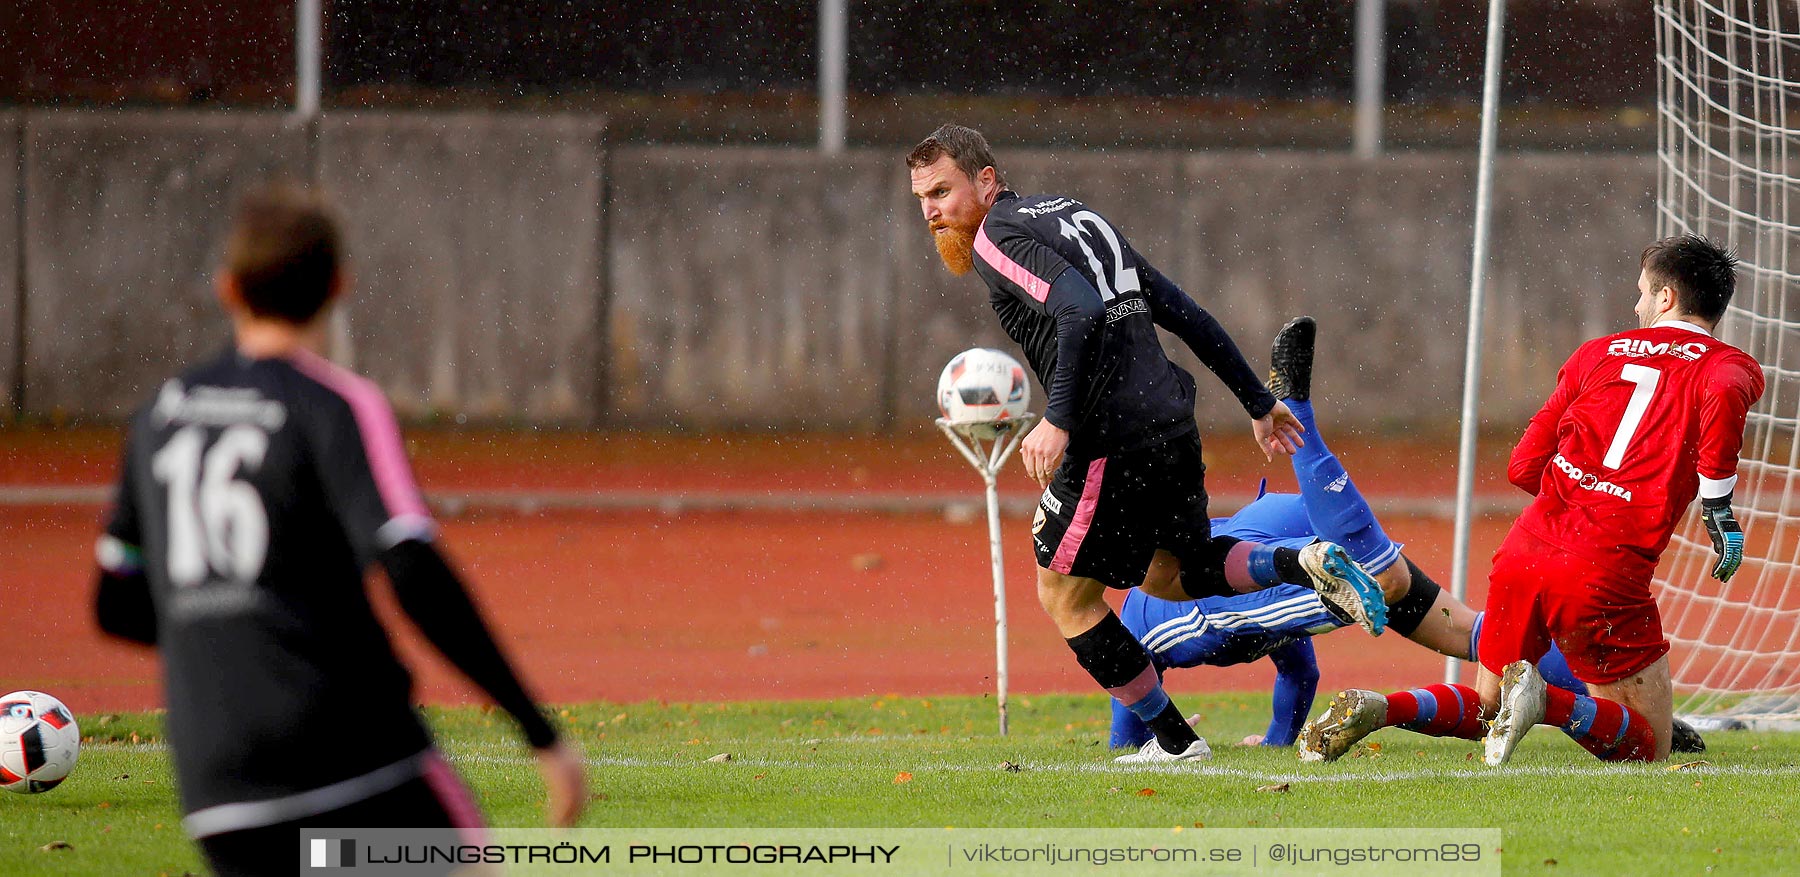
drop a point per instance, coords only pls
(1104, 519)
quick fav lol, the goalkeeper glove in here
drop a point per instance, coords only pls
(1727, 539)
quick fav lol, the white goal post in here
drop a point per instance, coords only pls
(1728, 150)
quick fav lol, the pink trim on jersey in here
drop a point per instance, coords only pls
(1078, 525)
(455, 798)
(1035, 286)
(1137, 689)
(380, 433)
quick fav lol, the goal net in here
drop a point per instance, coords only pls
(1728, 111)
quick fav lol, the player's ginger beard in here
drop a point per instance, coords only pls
(956, 246)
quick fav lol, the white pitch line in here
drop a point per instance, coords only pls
(1199, 770)
(1204, 770)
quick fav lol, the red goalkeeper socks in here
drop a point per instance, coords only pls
(1610, 730)
(1438, 710)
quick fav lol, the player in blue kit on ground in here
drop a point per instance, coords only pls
(1278, 621)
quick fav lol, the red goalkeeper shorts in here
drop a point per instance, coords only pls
(1606, 624)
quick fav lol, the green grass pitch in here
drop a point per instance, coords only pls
(907, 762)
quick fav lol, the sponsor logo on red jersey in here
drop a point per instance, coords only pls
(1690, 350)
(1589, 481)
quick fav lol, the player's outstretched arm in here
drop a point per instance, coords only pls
(432, 595)
(1176, 311)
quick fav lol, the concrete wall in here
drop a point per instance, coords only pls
(123, 216)
(750, 288)
(476, 249)
(1380, 254)
(515, 270)
(10, 299)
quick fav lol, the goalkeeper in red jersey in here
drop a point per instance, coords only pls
(1639, 423)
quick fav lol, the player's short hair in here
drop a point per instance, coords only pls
(965, 146)
(1702, 273)
(284, 251)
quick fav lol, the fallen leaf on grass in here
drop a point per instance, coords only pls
(1549, 861)
(1277, 787)
(721, 758)
(1146, 793)
(54, 846)
(1011, 767)
(902, 777)
(759, 776)
(1687, 765)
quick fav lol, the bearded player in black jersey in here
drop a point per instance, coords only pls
(1118, 450)
(256, 488)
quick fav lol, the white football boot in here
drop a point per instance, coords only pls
(1521, 706)
(1153, 753)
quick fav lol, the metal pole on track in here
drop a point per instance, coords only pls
(1484, 188)
(988, 461)
(1371, 73)
(833, 52)
(307, 58)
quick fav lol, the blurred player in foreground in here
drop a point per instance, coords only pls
(255, 489)
(1278, 622)
(1638, 424)
(1118, 450)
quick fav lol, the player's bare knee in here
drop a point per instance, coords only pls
(1395, 582)
(1057, 592)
